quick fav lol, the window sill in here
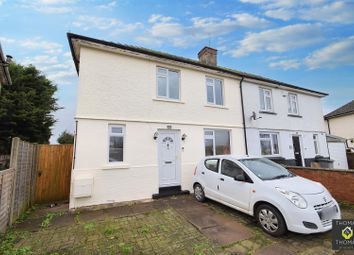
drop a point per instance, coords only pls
(267, 112)
(216, 106)
(116, 166)
(168, 100)
(294, 115)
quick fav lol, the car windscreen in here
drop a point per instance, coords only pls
(266, 169)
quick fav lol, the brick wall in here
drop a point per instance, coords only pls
(339, 182)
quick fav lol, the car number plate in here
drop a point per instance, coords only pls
(328, 213)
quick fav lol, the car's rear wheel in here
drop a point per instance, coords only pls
(199, 192)
(270, 220)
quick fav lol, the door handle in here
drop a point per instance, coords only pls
(168, 162)
(203, 173)
(221, 179)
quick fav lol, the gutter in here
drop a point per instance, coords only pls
(243, 116)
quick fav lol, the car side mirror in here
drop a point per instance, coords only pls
(240, 178)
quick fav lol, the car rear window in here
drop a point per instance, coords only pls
(212, 164)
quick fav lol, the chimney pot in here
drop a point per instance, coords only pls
(208, 56)
(8, 59)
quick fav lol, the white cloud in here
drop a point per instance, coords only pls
(281, 13)
(40, 60)
(315, 10)
(336, 12)
(340, 53)
(6, 40)
(50, 6)
(280, 39)
(38, 43)
(286, 64)
(168, 29)
(101, 23)
(108, 6)
(159, 18)
(207, 4)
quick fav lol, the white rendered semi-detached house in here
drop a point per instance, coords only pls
(145, 119)
(284, 123)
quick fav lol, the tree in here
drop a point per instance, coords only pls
(66, 138)
(26, 107)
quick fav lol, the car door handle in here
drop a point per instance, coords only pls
(203, 173)
(168, 162)
(221, 179)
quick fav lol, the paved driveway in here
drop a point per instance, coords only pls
(176, 225)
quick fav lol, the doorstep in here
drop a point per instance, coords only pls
(170, 191)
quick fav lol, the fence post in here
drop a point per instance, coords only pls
(13, 164)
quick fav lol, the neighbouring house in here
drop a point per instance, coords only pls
(340, 122)
(145, 118)
(5, 78)
(284, 123)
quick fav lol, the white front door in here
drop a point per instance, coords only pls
(169, 158)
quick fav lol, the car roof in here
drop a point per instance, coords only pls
(232, 156)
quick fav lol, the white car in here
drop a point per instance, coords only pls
(278, 199)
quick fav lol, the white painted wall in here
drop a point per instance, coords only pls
(343, 127)
(311, 121)
(286, 144)
(137, 177)
(310, 108)
(116, 89)
(338, 155)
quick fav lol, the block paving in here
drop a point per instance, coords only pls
(166, 226)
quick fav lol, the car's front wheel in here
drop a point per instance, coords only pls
(199, 192)
(270, 220)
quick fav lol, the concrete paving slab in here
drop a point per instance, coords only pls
(275, 249)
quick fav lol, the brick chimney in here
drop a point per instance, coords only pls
(208, 56)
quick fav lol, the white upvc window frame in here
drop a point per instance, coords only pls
(207, 84)
(316, 144)
(167, 97)
(114, 134)
(212, 137)
(271, 134)
(292, 98)
(263, 99)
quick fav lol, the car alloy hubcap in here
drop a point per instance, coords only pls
(198, 192)
(268, 220)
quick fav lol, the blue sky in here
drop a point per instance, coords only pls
(305, 43)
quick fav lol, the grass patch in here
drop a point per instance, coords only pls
(125, 248)
(9, 240)
(346, 205)
(89, 226)
(24, 216)
(49, 217)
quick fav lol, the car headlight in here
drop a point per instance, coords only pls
(294, 197)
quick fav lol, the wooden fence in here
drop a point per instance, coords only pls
(54, 172)
(37, 174)
(6, 187)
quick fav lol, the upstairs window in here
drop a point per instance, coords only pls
(269, 144)
(266, 101)
(116, 143)
(214, 91)
(168, 83)
(292, 104)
